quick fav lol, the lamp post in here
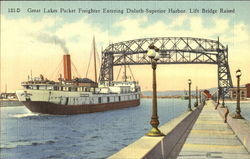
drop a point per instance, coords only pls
(218, 102)
(200, 95)
(196, 103)
(189, 94)
(153, 54)
(223, 98)
(238, 115)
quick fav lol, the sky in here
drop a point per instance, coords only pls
(34, 39)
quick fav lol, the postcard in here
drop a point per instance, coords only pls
(123, 79)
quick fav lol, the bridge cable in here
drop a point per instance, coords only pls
(119, 73)
(60, 70)
(131, 73)
(56, 70)
(74, 68)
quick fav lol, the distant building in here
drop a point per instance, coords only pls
(248, 90)
(8, 96)
(244, 92)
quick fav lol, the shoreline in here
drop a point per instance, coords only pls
(233, 101)
(173, 96)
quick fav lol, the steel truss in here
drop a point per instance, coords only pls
(174, 50)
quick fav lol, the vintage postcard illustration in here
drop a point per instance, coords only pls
(124, 79)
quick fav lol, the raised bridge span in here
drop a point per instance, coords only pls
(173, 50)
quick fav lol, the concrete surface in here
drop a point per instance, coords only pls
(241, 127)
(176, 132)
(210, 137)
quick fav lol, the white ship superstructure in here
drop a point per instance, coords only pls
(76, 95)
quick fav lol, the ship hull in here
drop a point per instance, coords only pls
(58, 109)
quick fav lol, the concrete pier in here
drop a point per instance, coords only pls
(210, 137)
(176, 132)
(198, 134)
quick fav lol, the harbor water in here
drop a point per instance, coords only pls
(85, 136)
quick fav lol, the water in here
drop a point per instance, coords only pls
(85, 136)
(244, 106)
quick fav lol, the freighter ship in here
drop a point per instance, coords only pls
(70, 96)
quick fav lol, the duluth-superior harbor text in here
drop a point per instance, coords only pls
(148, 11)
(155, 11)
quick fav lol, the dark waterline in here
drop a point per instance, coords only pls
(86, 136)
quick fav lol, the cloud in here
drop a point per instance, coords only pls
(192, 26)
(179, 21)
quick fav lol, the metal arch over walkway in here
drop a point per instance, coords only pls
(174, 50)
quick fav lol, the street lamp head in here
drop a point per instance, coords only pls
(151, 51)
(157, 56)
(238, 73)
(189, 81)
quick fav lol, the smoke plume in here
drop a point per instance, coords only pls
(46, 38)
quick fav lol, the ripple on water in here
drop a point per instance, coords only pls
(95, 137)
(14, 144)
(113, 150)
(89, 144)
(54, 156)
(28, 142)
(89, 152)
(127, 139)
(50, 142)
(114, 142)
(24, 115)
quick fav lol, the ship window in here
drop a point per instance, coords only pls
(119, 98)
(100, 99)
(69, 88)
(37, 87)
(108, 99)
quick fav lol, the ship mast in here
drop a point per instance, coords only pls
(94, 58)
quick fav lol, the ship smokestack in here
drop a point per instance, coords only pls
(67, 67)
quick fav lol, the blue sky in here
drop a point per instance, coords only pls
(20, 45)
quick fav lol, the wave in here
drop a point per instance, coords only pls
(15, 144)
(24, 115)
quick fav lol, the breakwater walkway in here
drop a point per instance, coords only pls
(210, 137)
(197, 134)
